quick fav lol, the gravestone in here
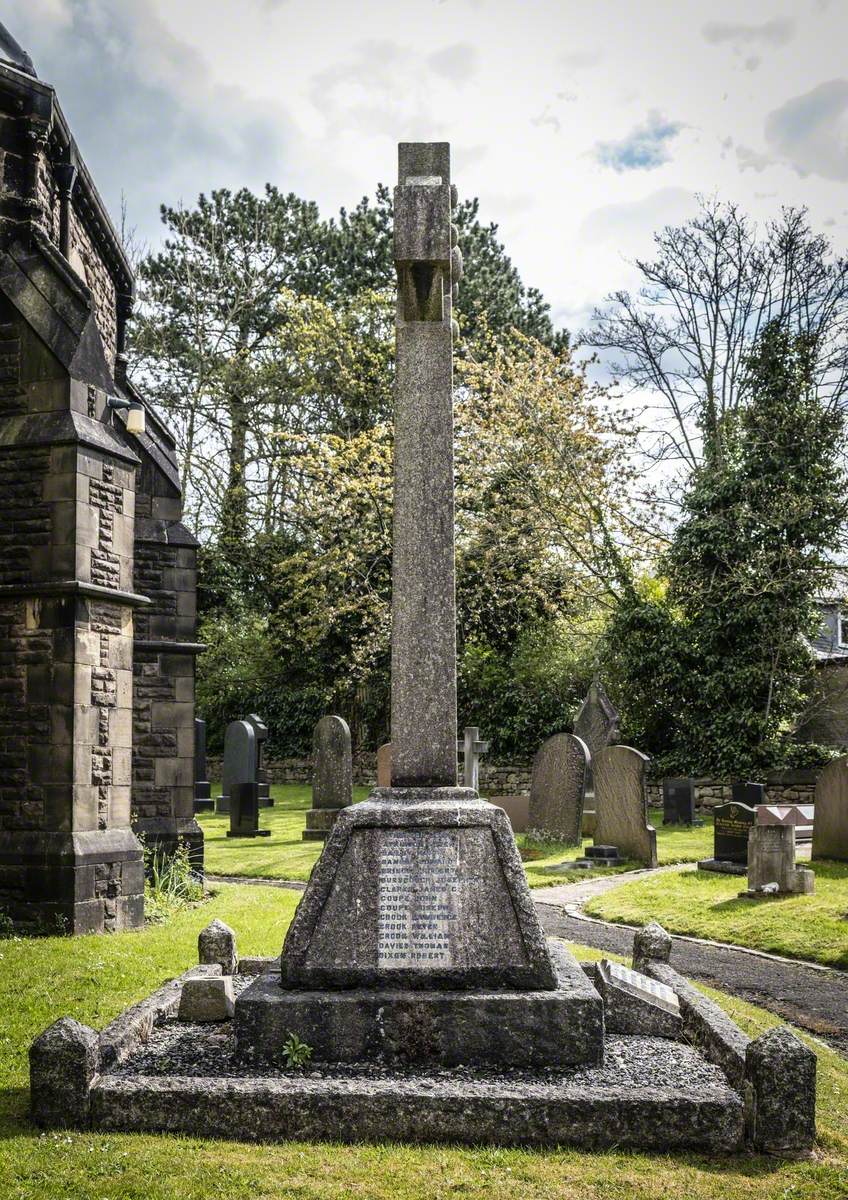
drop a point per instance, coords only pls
(384, 765)
(731, 825)
(678, 802)
(622, 804)
(801, 816)
(419, 902)
(557, 789)
(332, 781)
(262, 780)
(471, 748)
(203, 801)
(745, 791)
(238, 786)
(771, 862)
(830, 828)
(596, 724)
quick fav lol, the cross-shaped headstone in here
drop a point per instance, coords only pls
(471, 748)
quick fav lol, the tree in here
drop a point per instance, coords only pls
(722, 651)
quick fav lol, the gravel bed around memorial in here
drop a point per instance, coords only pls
(183, 1049)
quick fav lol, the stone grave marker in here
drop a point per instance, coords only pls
(262, 779)
(238, 786)
(744, 791)
(558, 788)
(678, 802)
(830, 827)
(771, 862)
(203, 801)
(332, 781)
(731, 824)
(637, 1004)
(471, 748)
(799, 815)
(384, 765)
(596, 724)
(622, 804)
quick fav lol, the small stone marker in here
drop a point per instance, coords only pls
(771, 862)
(621, 801)
(63, 1062)
(264, 784)
(471, 748)
(558, 789)
(732, 823)
(746, 792)
(651, 944)
(208, 999)
(217, 944)
(384, 765)
(781, 1073)
(635, 1004)
(830, 829)
(596, 724)
(239, 788)
(203, 801)
(678, 802)
(332, 781)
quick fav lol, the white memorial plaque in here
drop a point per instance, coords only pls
(418, 898)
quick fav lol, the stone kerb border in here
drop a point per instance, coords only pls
(775, 1072)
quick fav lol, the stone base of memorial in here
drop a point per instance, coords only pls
(319, 823)
(677, 1074)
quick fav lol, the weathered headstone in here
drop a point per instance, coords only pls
(596, 724)
(745, 791)
(830, 828)
(239, 789)
(771, 862)
(262, 780)
(203, 801)
(622, 804)
(731, 825)
(332, 781)
(557, 789)
(384, 765)
(636, 1004)
(421, 887)
(678, 802)
(471, 747)
(801, 816)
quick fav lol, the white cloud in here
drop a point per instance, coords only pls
(810, 132)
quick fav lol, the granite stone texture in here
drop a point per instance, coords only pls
(651, 943)
(207, 999)
(216, 943)
(551, 1028)
(637, 1004)
(622, 804)
(557, 789)
(781, 1072)
(418, 888)
(63, 1062)
(830, 827)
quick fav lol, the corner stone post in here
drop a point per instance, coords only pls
(780, 1075)
(651, 944)
(63, 1062)
(217, 944)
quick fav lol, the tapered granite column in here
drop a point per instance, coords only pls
(423, 577)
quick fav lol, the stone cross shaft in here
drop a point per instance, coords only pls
(428, 265)
(470, 747)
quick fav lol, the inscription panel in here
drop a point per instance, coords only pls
(419, 898)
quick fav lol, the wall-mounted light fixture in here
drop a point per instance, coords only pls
(134, 410)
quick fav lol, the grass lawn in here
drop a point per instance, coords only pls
(93, 978)
(284, 855)
(704, 904)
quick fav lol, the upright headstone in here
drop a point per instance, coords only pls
(596, 724)
(332, 780)
(771, 862)
(384, 765)
(239, 785)
(731, 825)
(421, 886)
(203, 801)
(262, 779)
(678, 801)
(622, 804)
(745, 791)
(557, 789)
(830, 827)
(471, 747)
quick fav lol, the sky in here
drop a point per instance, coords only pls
(581, 126)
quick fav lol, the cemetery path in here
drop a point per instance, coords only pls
(813, 997)
(294, 884)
